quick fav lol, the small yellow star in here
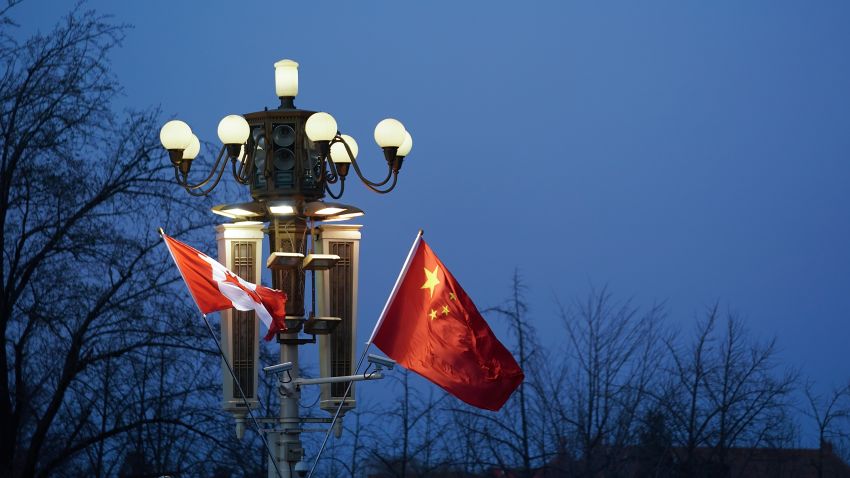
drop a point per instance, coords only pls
(445, 310)
(433, 314)
(431, 280)
(452, 296)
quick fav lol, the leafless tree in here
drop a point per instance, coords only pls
(526, 433)
(409, 441)
(527, 348)
(88, 302)
(610, 359)
(831, 414)
(343, 456)
(725, 390)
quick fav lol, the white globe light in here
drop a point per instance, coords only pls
(233, 129)
(191, 151)
(286, 78)
(406, 145)
(175, 135)
(389, 133)
(338, 152)
(320, 127)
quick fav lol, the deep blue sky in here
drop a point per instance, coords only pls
(680, 150)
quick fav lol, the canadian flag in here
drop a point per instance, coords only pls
(214, 287)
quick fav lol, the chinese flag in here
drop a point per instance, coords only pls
(214, 287)
(432, 327)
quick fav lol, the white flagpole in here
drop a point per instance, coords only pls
(366, 349)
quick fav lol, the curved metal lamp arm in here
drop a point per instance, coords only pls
(243, 174)
(383, 191)
(237, 173)
(330, 176)
(341, 189)
(326, 171)
(183, 179)
(371, 184)
(196, 191)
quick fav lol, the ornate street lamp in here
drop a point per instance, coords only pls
(285, 153)
(290, 159)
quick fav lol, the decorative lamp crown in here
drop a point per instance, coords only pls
(286, 153)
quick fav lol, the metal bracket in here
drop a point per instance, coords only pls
(297, 341)
(344, 378)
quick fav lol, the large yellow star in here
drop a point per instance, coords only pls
(431, 280)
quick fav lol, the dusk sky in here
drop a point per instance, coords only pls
(678, 151)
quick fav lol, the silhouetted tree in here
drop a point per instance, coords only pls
(653, 452)
(611, 356)
(88, 311)
(522, 436)
(831, 414)
(409, 438)
(725, 390)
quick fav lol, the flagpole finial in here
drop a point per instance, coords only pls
(421, 232)
(161, 232)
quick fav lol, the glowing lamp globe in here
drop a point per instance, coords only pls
(191, 151)
(175, 135)
(338, 152)
(286, 78)
(406, 145)
(320, 127)
(389, 133)
(233, 129)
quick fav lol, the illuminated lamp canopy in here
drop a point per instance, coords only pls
(265, 211)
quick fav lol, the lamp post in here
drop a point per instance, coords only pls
(290, 159)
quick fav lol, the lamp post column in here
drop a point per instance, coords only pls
(288, 448)
(289, 235)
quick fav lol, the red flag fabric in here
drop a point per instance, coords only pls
(432, 327)
(214, 287)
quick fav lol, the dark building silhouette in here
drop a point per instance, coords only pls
(703, 462)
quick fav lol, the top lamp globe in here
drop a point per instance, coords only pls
(286, 78)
